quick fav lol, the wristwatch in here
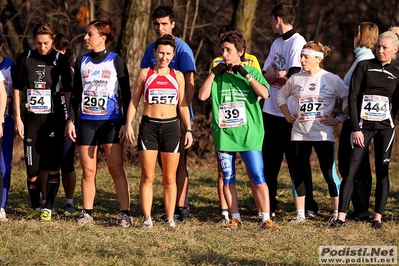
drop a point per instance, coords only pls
(249, 77)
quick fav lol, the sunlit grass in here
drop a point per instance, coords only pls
(200, 241)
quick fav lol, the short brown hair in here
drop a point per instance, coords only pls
(367, 34)
(104, 27)
(43, 28)
(237, 39)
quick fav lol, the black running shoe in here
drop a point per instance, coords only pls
(337, 224)
(376, 225)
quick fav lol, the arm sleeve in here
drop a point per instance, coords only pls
(124, 84)
(185, 58)
(353, 97)
(77, 89)
(18, 79)
(284, 93)
(146, 60)
(66, 78)
(292, 71)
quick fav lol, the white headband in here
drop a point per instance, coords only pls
(312, 52)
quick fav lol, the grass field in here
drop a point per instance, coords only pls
(200, 241)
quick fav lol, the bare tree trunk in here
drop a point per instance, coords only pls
(132, 47)
(12, 28)
(244, 15)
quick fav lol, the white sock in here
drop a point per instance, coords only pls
(225, 214)
(335, 215)
(38, 209)
(236, 216)
(301, 213)
(69, 201)
(43, 202)
(265, 216)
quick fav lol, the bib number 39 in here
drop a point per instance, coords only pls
(232, 114)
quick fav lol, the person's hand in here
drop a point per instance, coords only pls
(19, 127)
(121, 134)
(358, 138)
(329, 121)
(219, 69)
(129, 134)
(240, 69)
(188, 140)
(70, 131)
(291, 118)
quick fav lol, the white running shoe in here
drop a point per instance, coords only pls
(85, 219)
(148, 223)
(126, 221)
(3, 217)
(171, 223)
(298, 219)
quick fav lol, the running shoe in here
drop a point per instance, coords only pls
(268, 225)
(32, 214)
(148, 223)
(171, 223)
(3, 217)
(69, 209)
(298, 219)
(179, 218)
(376, 225)
(234, 225)
(126, 221)
(337, 224)
(260, 219)
(45, 215)
(311, 214)
(85, 219)
(223, 221)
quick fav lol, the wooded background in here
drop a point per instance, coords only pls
(332, 22)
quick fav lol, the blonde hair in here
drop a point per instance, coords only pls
(393, 35)
(319, 47)
(367, 34)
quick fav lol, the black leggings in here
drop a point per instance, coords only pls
(383, 139)
(276, 144)
(43, 142)
(325, 154)
(363, 178)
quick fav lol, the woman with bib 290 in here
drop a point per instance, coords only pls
(98, 76)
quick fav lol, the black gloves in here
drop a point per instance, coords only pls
(219, 69)
(240, 69)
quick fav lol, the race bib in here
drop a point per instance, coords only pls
(162, 96)
(232, 114)
(38, 101)
(375, 108)
(95, 102)
(311, 108)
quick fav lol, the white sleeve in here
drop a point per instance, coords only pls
(270, 58)
(284, 93)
